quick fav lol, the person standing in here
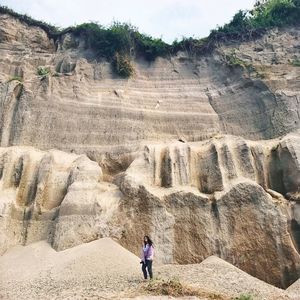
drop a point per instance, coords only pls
(147, 257)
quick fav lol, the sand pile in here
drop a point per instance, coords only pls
(98, 269)
(217, 276)
(103, 269)
(294, 289)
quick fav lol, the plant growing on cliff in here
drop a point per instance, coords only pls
(232, 60)
(122, 65)
(15, 78)
(50, 29)
(295, 62)
(43, 71)
(125, 38)
(244, 297)
(264, 15)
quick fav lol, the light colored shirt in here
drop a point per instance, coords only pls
(147, 252)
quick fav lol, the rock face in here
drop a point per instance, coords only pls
(82, 106)
(188, 150)
(221, 198)
(54, 196)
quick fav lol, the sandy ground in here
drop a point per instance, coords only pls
(103, 269)
(294, 289)
(218, 276)
(100, 269)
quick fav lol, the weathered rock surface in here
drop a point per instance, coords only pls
(86, 108)
(54, 196)
(222, 195)
(185, 150)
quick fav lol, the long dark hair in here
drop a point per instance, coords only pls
(149, 241)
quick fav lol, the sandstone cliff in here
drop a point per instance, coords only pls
(190, 150)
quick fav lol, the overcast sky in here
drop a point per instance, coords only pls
(168, 19)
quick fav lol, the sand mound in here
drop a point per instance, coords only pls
(294, 289)
(97, 269)
(103, 269)
(218, 276)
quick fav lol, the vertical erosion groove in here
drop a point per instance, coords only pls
(276, 173)
(8, 111)
(166, 169)
(295, 232)
(18, 172)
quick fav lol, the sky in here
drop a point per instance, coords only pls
(166, 19)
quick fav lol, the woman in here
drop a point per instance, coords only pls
(147, 257)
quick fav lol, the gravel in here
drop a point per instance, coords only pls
(100, 269)
(218, 276)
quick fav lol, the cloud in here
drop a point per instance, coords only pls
(169, 19)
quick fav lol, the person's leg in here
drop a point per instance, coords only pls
(144, 270)
(149, 265)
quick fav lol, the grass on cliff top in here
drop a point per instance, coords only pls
(50, 29)
(126, 40)
(264, 15)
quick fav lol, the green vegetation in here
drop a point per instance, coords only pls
(295, 62)
(120, 38)
(15, 78)
(244, 297)
(43, 71)
(232, 60)
(174, 288)
(121, 42)
(171, 287)
(50, 29)
(264, 15)
(122, 65)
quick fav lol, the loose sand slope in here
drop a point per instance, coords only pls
(294, 289)
(218, 276)
(103, 269)
(97, 269)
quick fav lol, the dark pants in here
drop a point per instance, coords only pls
(147, 265)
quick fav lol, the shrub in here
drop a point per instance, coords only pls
(264, 15)
(15, 78)
(120, 38)
(191, 45)
(295, 62)
(244, 297)
(150, 47)
(122, 65)
(43, 71)
(174, 288)
(233, 61)
(171, 287)
(50, 29)
(126, 40)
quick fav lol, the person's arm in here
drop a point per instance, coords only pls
(143, 253)
(150, 253)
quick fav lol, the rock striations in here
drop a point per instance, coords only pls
(202, 152)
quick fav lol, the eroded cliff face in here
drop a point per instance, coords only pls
(186, 150)
(222, 196)
(249, 89)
